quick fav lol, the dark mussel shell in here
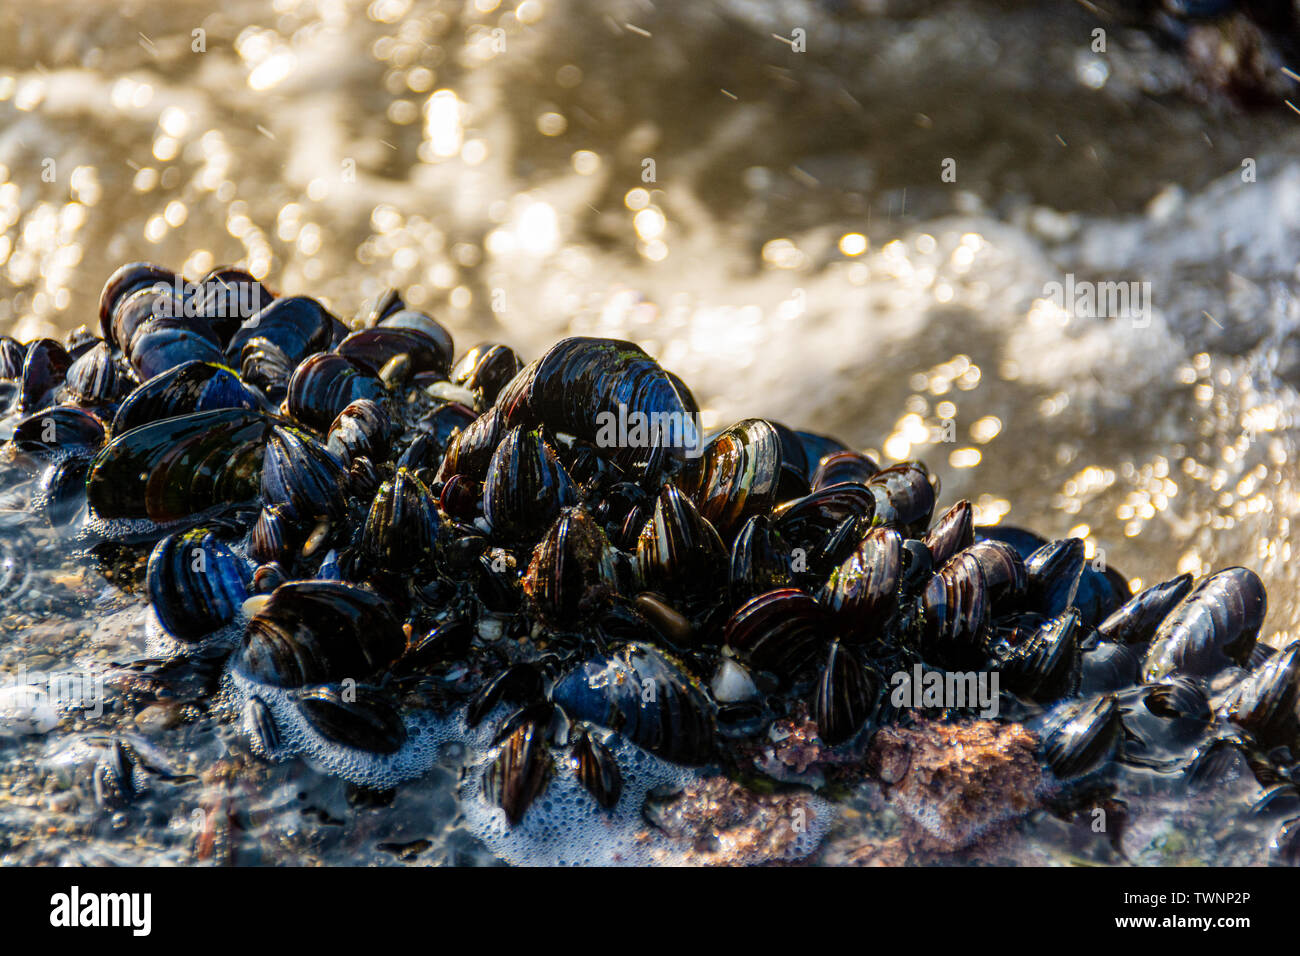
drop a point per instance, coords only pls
(196, 584)
(93, 379)
(62, 494)
(297, 325)
(843, 466)
(1004, 571)
(572, 571)
(1265, 701)
(1136, 621)
(191, 387)
(1163, 723)
(596, 769)
(520, 771)
(80, 341)
(737, 476)
(953, 532)
(355, 715)
(1081, 736)
(403, 525)
(862, 593)
(300, 473)
(845, 696)
(904, 496)
(266, 366)
(526, 487)
(759, 561)
(1024, 542)
(645, 696)
(518, 684)
(179, 467)
(163, 344)
(315, 632)
(586, 386)
(955, 611)
(373, 349)
(1106, 667)
(486, 369)
(44, 369)
(1102, 591)
(127, 279)
(386, 303)
(324, 384)
(419, 322)
(1213, 627)
(276, 537)
(470, 452)
(12, 355)
(781, 631)
(806, 523)
(1054, 571)
(680, 554)
(139, 311)
(1038, 658)
(260, 725)
(227, 297)
(439, 427)
(60, 432)
(361, 430)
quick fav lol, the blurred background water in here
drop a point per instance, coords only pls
(753, 190)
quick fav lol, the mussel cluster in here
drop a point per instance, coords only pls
(353, 518)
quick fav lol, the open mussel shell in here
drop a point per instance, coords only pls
(955, 611)
(681, 555)
(1136, 621)
(526, 487)
(361, 430)
(300, 474)
(486, 369)
(862, 593)
(845, 696)
(807, 523)
(402, 526)
(953, 532)
(354, 715)
(597, 389)
(191, 387)
(737, 476)
(1163, 723)
(44, 368)
(1265, 701)
(93, 378)
(1054, 571)
(904, 496)
(781, 631)
(196, 584)
(573, 570)
(60, 432)
(179, 467)
(596, 769)
(1081, 736)
(760, 561)
(1213, 627)
(647, 697)
(520, 772)
(313, 632)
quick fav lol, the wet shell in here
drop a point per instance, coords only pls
(44, 368)
(357, 716)
(125, 280)
(955, 609)
(1136, 621)
(486, 369)
(1265, 702)
(361, 430)
(953, 532)
(300, 474)
(737, 476)
(93, 379)
(862, 592)
(1039, 658)
(647, 697)
(807, 522)
(323, 385)
(843, 466)
(845, 696)
(313, 632)
(759, 561)
(526, 487)
(59, 432)
(1079, 737)
(196, 584)
(192, 387)
(680, 554)
(596, 769)
(1004, 571)
(904, 495)
(1213, 627)
(781, 631)
(519, 773)
(1054, 571)
(373, 349)
(296, 325)
(402, 526)
(573, 569)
